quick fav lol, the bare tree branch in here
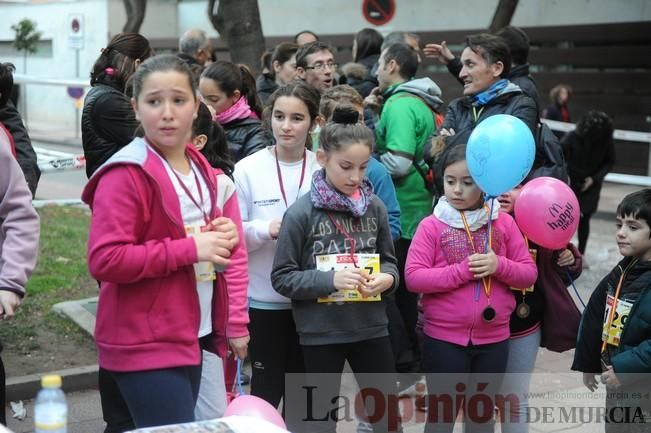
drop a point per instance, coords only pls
(503, 14)
(135, 15)
(238, 24)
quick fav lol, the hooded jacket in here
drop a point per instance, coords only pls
(148, 311)
(437, 266)
(19, 224)
(405, 128)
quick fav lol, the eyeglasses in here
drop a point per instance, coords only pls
(321, 66)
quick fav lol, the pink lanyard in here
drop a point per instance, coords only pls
(198, 203)
(347, 236)
(280, 176)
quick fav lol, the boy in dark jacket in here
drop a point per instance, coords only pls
(615, 333)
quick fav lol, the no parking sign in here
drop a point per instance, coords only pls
(378, 12)
(76, 31)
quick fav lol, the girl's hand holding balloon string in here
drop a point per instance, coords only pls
(565, 258)
(483, 265)
(239, 346)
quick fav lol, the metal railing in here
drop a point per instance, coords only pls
(24, 80)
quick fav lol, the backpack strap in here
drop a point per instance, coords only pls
(415, 162)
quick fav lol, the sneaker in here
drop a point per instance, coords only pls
(415, 390)
(364, 427)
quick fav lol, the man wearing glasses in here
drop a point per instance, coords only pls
(316, 65)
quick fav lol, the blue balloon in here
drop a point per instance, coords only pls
(500, 153)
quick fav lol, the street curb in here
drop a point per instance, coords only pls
(74, 379)
(75, 311)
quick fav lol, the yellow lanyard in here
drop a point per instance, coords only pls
(609, 323)
(487, 285)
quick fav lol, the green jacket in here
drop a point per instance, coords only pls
(406, 123)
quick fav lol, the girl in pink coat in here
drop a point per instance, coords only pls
(463, 260)
(164, 242)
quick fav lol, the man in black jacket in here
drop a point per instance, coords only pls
(517, 41)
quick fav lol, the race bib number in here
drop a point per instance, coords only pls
(612, 332)
(534, 254)
(203, 271)
(338, 262)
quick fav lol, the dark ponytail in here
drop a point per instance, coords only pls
(117, 62)
(343, 129)
(231, 77)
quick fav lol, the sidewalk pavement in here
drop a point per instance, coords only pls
(553, 369)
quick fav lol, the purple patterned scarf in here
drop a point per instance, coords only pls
(325, 196)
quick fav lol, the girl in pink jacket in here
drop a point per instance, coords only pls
(463, 259)
(164, 241)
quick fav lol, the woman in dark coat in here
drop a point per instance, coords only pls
(108, 122)
(590, 155)
(366, 53)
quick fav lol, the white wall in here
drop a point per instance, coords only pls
(160, 19)
(286, 17)
(52, 102)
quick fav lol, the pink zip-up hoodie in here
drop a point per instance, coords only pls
(148, 310)
(437, 266)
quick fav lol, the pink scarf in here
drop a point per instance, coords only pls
(239, 110)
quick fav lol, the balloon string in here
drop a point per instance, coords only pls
(240, 391)
(569, 276)
(488, 238)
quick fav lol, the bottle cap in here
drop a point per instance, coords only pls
(51, 381)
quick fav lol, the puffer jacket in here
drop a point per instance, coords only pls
(460, 114)
(108, 124)
(246, 136)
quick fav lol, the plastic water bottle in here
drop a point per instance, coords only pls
(51, 409)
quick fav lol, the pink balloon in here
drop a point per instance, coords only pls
(249, 405)
(547, 212)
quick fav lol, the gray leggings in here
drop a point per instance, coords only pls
(519, 366)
